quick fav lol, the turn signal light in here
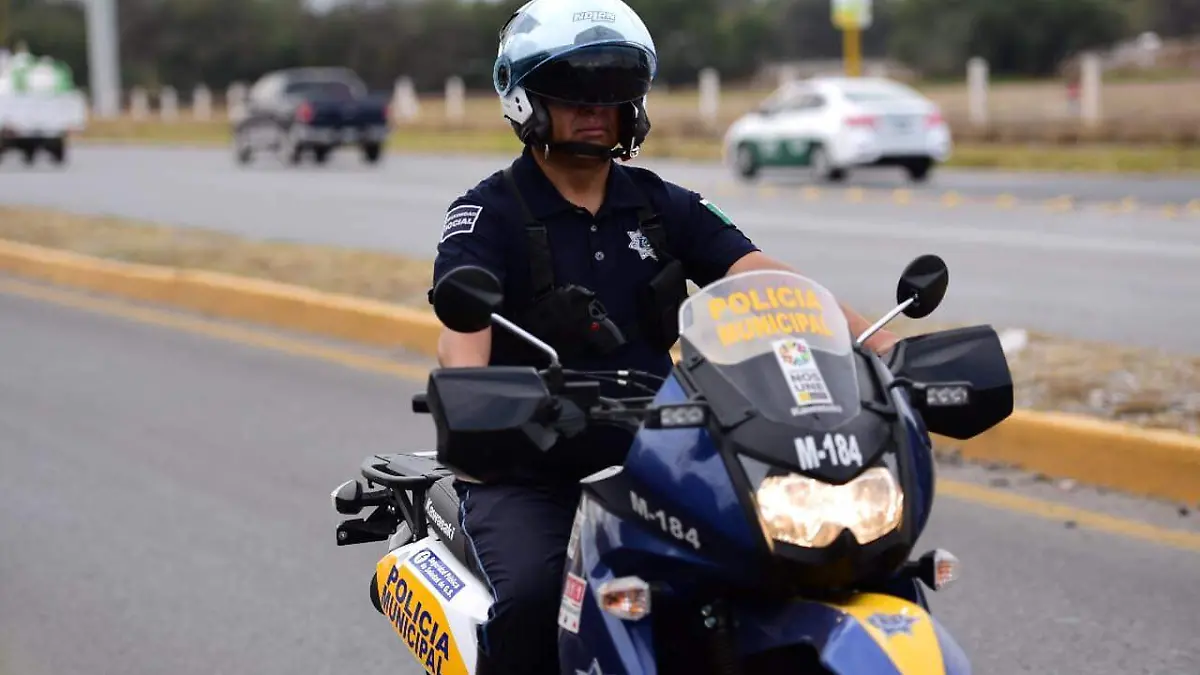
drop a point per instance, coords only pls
(626, 598)
(937, 569)
(947, 395)
(945, 568)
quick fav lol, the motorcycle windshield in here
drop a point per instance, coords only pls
(780, 338)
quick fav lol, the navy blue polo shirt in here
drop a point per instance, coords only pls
(604, 253)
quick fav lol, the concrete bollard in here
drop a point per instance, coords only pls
(977, 91)
(1089, 89)
(235, 101)
(405, 106)
(201, 103)
(139, 104)
(168, 104)
(455, 99)
(710, 96)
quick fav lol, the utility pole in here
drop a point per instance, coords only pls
(852, 50)
(104, 63)
(852, 17)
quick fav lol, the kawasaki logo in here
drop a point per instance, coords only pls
(446, 528)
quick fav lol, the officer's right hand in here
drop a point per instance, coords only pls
(572, 419)
(464, 350)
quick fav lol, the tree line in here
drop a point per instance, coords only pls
(183, 43)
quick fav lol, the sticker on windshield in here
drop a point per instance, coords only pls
(808, 387)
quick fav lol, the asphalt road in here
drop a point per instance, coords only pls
(167, 511)
(1090, 272)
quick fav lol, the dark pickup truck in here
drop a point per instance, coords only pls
(299, 111)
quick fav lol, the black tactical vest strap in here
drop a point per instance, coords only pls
(650, 223)
(537, 240)
(658, 302)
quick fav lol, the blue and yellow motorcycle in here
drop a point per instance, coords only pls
(764, 518)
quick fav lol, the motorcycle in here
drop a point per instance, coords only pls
(764, 517)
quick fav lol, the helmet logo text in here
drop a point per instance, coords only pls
(596, 16)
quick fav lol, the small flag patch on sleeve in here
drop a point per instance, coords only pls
(716, 211)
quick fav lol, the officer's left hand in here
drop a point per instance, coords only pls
(882, 341)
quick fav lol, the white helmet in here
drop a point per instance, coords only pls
(579, 52)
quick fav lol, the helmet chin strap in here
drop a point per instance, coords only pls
(578, 148)
(582, 149)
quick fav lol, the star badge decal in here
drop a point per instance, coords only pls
(892, 624)
(638, 242)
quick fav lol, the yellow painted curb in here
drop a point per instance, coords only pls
(1155, 463)
(1159, 464)
(265, 302)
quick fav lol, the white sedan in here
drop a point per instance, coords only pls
(833, 124)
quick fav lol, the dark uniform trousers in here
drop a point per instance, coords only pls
(522, 554)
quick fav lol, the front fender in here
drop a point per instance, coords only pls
(868, 633)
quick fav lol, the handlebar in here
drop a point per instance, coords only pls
(420, 404)
(563, 407)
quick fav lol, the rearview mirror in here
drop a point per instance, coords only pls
(924, 281)
(465, 299)
(920, 291)
(468, 299)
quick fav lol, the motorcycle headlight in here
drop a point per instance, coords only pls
(806, 512)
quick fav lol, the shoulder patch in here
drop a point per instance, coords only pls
(460, 220)
(716, 211)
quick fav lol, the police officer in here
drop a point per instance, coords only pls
(592, 256)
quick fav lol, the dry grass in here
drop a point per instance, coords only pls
(1139, 386)
(1108, 381)
(676, 112)
(1147, 126)
(1144, 387)
(1038, 112)
(339, 270)
(1012, 156)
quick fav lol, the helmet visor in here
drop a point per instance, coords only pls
(594, 75)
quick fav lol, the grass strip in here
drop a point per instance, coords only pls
(1114, 382)
(1007, 157)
